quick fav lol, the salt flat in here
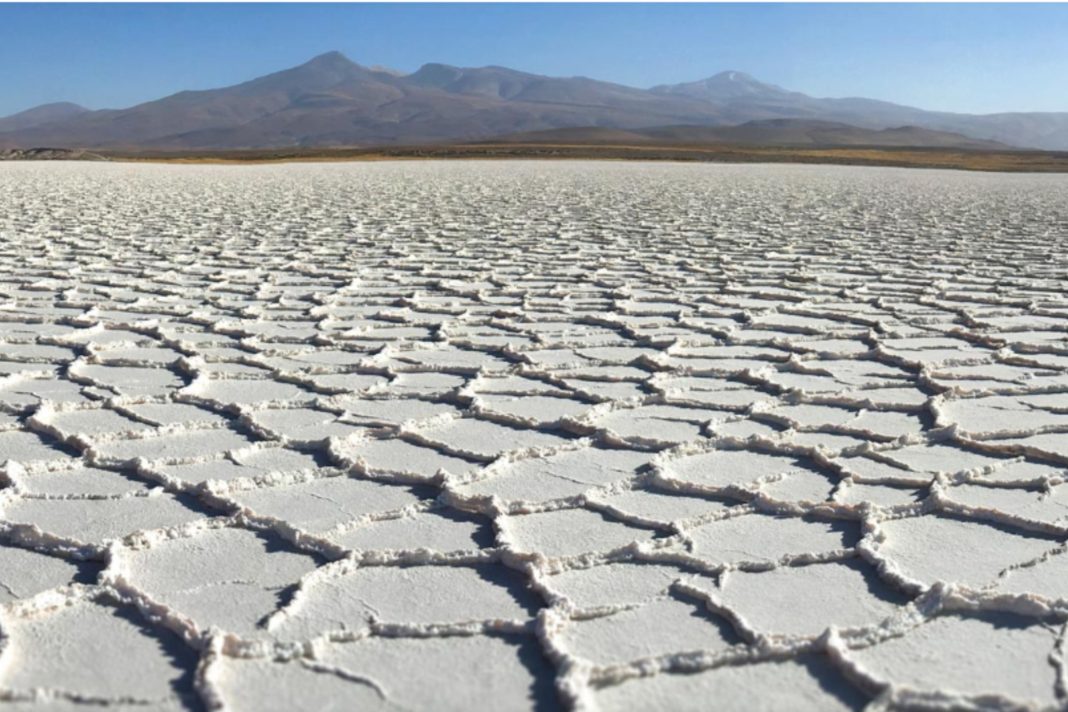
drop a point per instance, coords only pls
(514, 435)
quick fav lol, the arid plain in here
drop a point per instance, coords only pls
(522, 434)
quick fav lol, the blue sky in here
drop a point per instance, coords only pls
(957, 57)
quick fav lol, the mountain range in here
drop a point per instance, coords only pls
(332, 101)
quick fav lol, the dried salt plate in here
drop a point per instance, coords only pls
(401, 458)
(391, 411)
(810, 684)
(533, 409)
(385, 673)
(482, 439)
(555, 476)
(170, 414)
(568, 532)
(348, 602)
(1045, 506)
(613, 584)
(321, 504)
(30, 449)
(26, 573)
(192, 445)
(807, 600)
(660, 627)
(655, 424)
(440, 531)
(69, 648)
(939, 658)
(256, 464)
(79, 481)
(94, 522)
(916, 546)
(90, 423)
(1046, 577)
(129, 380)
(717, 470)
(248, 392)
(225, 577)
(302, 425)
(659, 507)
(763, 539)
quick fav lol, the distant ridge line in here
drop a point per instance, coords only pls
(331, 101)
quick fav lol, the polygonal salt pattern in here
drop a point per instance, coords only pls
(532, 435)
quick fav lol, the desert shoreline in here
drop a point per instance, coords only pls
(956, 159)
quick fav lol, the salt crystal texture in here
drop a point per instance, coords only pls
(521, 435)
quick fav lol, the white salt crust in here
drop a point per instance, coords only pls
(520, 435)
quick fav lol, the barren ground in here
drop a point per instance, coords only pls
(1010, 161)
(508, 435)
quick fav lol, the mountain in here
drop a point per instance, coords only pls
(746, 99)
(727, 86)
(43, 114)
(332, 101)
(511, 85)
(770, 132)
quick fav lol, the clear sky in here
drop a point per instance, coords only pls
(957, 57)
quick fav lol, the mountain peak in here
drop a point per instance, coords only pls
(726, 86)
(43, 114)
(434, 74)
(333, 59)
(732, 75)
(65, 106)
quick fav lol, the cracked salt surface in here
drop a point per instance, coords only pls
(532, 435)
